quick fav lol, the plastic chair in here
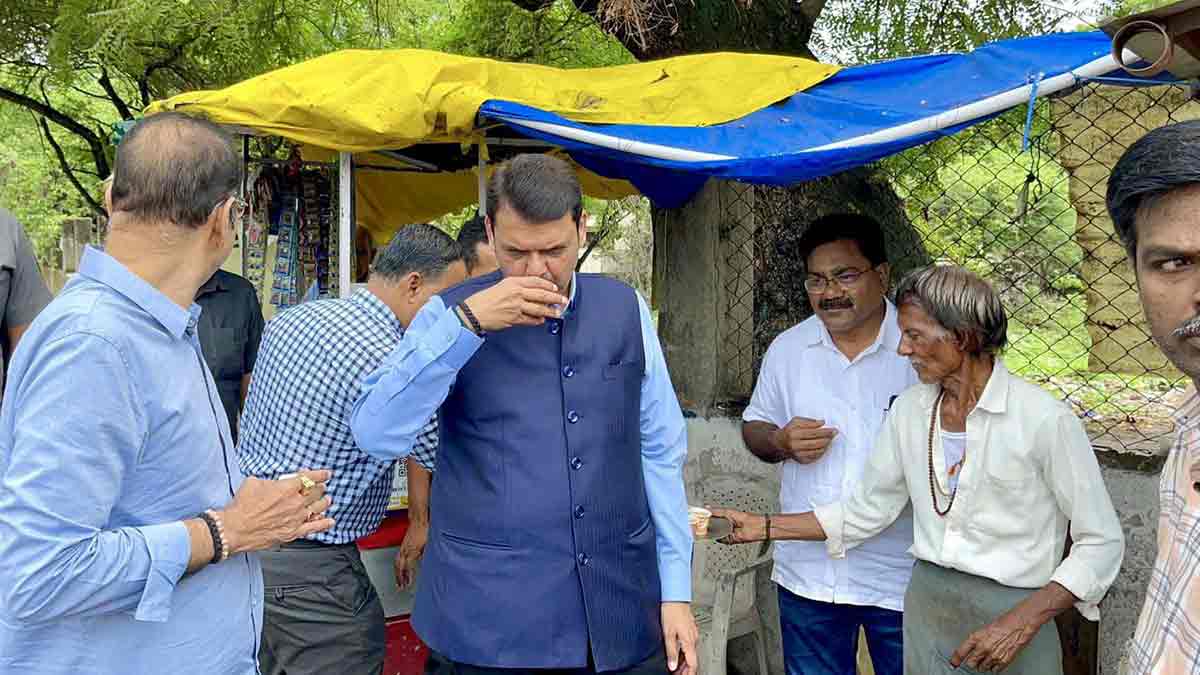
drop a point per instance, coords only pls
(725, 578)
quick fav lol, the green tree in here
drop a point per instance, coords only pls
(81, 65)
(30, 186)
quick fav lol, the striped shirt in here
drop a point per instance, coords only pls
(1167, 640)
(309, 373)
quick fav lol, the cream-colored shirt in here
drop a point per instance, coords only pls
(1029, 471)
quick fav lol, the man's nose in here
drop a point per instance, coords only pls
(536, 266)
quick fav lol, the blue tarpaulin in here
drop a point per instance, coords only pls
(859, 115)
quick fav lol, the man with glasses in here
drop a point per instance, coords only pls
(821, 397)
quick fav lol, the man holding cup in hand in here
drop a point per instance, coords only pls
(558, 532)
(126, 528)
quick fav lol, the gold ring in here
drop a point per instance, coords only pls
(306, 484)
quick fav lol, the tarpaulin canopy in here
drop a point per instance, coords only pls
(859, 115)
(359, 100)
(661, 128)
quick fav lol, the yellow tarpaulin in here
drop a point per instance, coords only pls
(385, 201)
(358, 100)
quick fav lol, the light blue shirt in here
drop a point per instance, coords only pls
(111, 434)
(415, 379)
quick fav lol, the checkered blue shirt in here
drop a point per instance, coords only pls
(309, 373)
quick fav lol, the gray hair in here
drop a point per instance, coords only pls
(175, 168)
(540, 188)
(423, 249)
(1166, 159)
(961, 302)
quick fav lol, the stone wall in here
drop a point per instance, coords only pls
(1096, 124)
(1135, 496)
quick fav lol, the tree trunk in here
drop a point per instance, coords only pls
(655, 29)
(783, 215)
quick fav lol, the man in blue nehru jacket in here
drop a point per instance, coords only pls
(558, 534)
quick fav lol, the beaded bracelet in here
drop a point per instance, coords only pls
(217, 529)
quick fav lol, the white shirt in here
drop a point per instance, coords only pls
(954, 447)
(804, 375)
(1030, 470)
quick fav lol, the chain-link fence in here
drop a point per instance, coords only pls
(1018, 200)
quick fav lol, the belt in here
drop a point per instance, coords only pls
(311, 544)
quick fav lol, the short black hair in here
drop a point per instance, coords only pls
(1164, 160)
(863, 230)
(540, 188)
(421, 248)
(174, 167)
(472, 234)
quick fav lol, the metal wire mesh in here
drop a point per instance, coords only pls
(1027, 216)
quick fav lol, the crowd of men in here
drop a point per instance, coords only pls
(181, 488)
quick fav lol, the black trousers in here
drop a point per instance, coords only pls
(321, 615)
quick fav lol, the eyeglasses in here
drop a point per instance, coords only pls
(237, 210)
(817, 283)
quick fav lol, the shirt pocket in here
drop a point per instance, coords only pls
(1005, 496)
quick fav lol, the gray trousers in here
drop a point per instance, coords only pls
(322, 614)
(942, 607)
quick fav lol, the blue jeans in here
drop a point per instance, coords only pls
(821, 638)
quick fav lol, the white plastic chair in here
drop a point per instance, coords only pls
(724, 579)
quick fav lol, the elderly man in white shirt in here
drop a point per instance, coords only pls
(817, 408)
(995, 469)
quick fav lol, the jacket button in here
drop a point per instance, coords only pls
(583, 559)
(568, 372)
(554, 327)
(572, 417)
(579, 511)
(576, 463)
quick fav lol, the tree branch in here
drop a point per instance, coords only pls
(58, 117)
(117, 101)
(66, 167)
(532, 5)
(95, 144)
(174, 55)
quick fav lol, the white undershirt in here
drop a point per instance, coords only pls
(954, 447)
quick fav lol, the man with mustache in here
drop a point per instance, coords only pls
(1153, 198)
(821, 397)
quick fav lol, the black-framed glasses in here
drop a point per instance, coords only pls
(817, 283)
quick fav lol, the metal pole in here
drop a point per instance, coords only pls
(345, 221)
(481, 185)
(244, 194)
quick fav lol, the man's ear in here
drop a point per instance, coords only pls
(413, 283)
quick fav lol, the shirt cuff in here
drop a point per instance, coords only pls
(831, 517)
(451, 341)
(676, 583)
(1074, 576)
(170, 549)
